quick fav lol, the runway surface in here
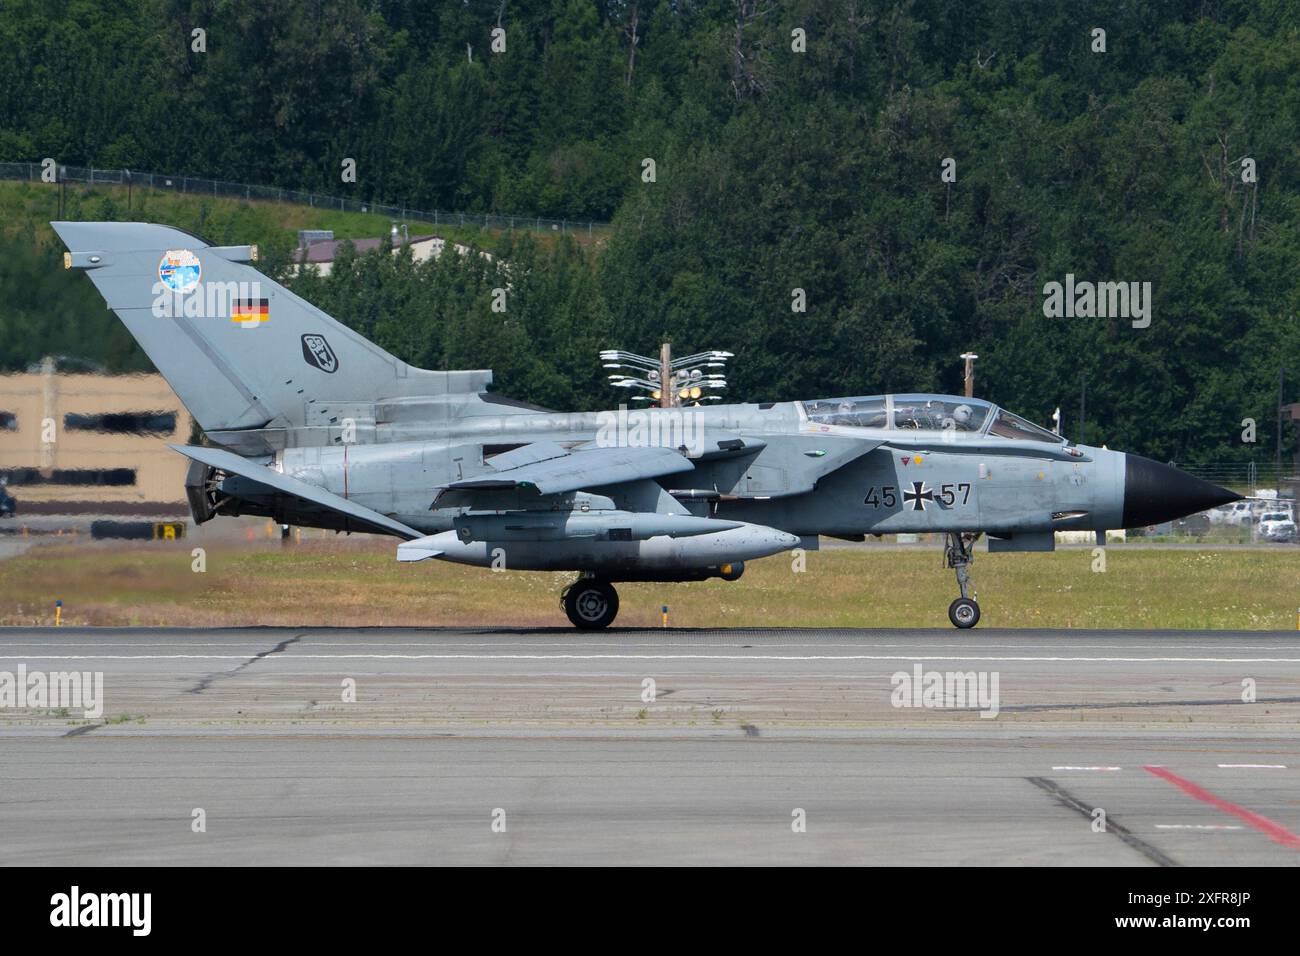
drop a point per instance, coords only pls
(1186, 742)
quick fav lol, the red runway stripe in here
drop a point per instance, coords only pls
(1274, 831)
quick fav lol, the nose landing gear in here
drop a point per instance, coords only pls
(958, 554)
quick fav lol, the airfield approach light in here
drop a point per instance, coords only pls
(670, 380)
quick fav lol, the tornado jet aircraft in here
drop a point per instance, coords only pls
(308, 423)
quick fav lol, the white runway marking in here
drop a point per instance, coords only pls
(1087, 768)
(1196, 826)
(326, 639)
(677, 657)
(1252, 766)
(489, 641)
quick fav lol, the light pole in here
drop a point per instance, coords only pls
(667, 396)
(970, 358)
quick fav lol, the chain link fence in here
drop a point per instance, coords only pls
(194, 185)
(1245, 475)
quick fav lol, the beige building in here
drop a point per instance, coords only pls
(92, 444)
(321, 253)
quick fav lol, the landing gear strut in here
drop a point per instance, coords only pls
(958, 554)
(591, 603)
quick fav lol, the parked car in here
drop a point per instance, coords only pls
(1239, 513)
(1277, 526)
(1218, 515)
(1194, 524)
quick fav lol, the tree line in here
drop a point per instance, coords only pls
(846, 193)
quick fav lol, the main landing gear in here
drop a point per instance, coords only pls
(591, 603)
(958, 554)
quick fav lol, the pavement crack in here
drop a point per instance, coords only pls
(85, 729)
(1067, 799)
(208, 681)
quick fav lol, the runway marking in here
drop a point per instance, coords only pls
(325, 637)
(673, 657)
(1067, 799)
(1274, 831)
(1087, 768)
(1197, 826)
(1252, 766)
(140, 644)
(603, 644)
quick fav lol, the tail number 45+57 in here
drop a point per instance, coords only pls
(948, 495)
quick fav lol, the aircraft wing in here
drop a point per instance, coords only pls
(229, 462)
(547, 469)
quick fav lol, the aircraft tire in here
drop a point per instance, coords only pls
(591, 604)
(964, 613)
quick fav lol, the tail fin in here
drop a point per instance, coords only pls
(240, 350)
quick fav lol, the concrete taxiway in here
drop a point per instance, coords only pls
(660, 746)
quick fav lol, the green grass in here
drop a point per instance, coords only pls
(29, 207)
(321, 583)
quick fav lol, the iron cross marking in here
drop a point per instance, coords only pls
(918, 496)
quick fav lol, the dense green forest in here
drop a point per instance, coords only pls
(796, 145)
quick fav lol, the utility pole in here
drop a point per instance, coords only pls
(1083, 408)
(970, 358)
(1281, 372)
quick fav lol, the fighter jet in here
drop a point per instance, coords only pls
(308, 423)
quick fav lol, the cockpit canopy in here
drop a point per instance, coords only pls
(925, 413)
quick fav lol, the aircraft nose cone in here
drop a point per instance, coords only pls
(1154, 493)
